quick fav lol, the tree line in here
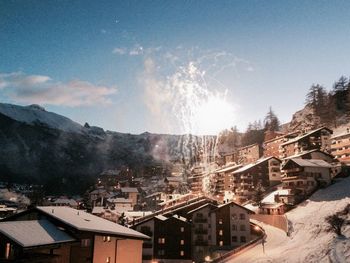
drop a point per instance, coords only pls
(330, 108)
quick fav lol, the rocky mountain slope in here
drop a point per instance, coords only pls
(43, 147)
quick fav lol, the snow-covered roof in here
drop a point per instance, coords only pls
(87, 222)
(174, 179)
(310, 163)
(32, 233)
(229, 168)
(137, 214)
(129, 190)
(251, 165)
(235, 204)
(200, 207)
(307, 152)
(270, 198)
(161, 217)
(119, 200)
(178, 217)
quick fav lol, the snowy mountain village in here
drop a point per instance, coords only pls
(238, 206)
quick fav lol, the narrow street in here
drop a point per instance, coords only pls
(256, 254)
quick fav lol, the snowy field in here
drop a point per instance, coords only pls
(309, 240)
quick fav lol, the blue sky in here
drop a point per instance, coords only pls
(135, 66)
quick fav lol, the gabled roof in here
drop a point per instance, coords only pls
(129, 190)
(306, 135)
(309, 163)
(83, 221)
(229, 168)
(233, 203)
(248, 146)
(32, 233)
(307, 152)
(251, 165)
(212, 206)
(119, 200)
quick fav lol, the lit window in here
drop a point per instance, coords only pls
(220, 221)
(221, 243)
(85, 242)
(106, 239)
(182, 242)
(182, 253)
(8, 249)
(182, 229)
(108, 260)
(161, 240)
(220, 232)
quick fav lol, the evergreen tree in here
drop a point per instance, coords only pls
(271, 121)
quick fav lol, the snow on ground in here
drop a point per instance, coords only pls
(309, 240)
(35, 114)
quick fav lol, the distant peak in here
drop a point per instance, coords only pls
(36, 107)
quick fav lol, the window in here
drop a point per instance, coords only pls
(234, 216)
(234, 227)
(242, 216)
(242, 228)
(106, 239)
(221, 243)
(85, 242)
(220, 232)
(182, 242)
(182, 253)
(243, 239)
(234, 238)
(161, 240)
(108, 260)
(161, 252)
(182, 229)
(220, 221)
(8, 250)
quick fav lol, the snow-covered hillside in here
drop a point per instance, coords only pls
(309, 240)
(37, 115)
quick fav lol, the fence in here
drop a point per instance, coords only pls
(250, 244)
(279, 221)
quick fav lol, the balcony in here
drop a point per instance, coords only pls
(201, 231)
(200, 220)
(201, 243)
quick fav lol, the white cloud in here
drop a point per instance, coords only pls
(40, 89)
(136, 50)
(119, 51)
